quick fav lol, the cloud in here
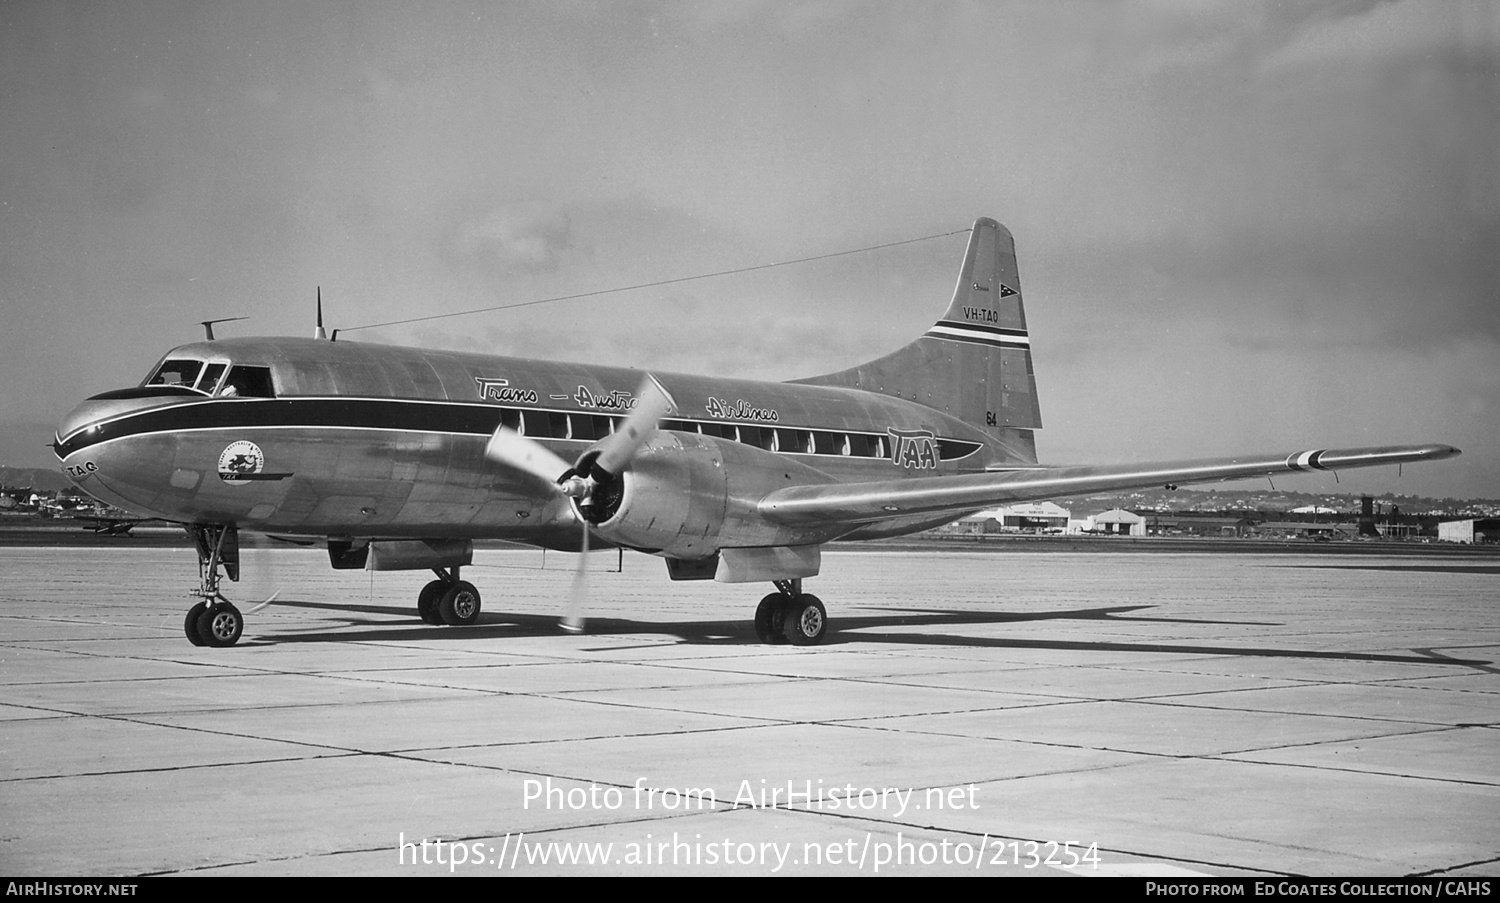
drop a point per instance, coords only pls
(529, 237)
(1387, 33)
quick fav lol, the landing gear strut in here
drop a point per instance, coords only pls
(448, 600)
(214, 621)
(791, 616)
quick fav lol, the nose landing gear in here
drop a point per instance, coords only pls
(214, 621)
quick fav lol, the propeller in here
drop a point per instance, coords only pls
(573, 621)
(269, 599)
(595, 474)
(651, 405)
(265, 566)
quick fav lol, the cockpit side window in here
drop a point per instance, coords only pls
(210, 378)
(248, 382)
(180, 372)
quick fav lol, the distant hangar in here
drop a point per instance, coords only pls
(1473, 530)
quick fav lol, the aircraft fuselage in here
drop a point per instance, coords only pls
(369, 441)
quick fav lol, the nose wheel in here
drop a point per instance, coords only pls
(791, 616)
(217, 625)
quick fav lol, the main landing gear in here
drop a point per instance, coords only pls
(448, 600)
(791, 616)
(214, 621)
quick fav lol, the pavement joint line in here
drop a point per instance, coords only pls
(68, 776)
(345, 704)
(224, 733)
(1452, 868)
(1251, 710)
(117, 681)
(1360, 771)
(1171, 648)
(544, 741)
(418, 683)
(221, 733)
(1057, 695)
(1231, 757)
(1333, 741)
(1404, 682)
(456, 839)
(1030, 742)
(346, 751)
(772, 719)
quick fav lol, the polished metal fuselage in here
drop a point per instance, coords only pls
(368, 441)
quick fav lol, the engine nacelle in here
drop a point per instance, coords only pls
(687, 496)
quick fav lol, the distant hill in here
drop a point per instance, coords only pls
(38, 478)
(1200, 498)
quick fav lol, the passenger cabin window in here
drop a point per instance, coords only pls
(582, 427)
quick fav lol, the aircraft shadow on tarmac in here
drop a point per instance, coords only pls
(872, 629)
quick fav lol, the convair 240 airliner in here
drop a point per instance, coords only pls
(400, 458)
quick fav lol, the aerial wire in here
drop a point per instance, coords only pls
(629, 288)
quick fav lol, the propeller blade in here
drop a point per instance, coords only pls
(512, 449)
(265, 567)
(573, 621)
(652, 404)
(269, 599)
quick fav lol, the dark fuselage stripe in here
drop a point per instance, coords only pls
(247, 414)
(358, 413)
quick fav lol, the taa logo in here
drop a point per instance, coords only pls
(914, 449)
(242, 460)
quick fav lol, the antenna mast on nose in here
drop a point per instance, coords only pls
(208, 325)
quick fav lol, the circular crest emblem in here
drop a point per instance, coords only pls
(240, 462)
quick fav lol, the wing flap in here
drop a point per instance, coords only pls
(857, 503)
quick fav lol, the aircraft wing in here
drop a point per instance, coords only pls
(857, 503)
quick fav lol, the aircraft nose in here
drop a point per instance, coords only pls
(77, 424)
(87, 423)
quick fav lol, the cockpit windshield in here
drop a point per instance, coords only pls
(209, 378)
(183, 373)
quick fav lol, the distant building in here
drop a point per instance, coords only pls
(1473, 530)
(1198, 525)
(1036, 517)
(1115, 522)
(1297, 529)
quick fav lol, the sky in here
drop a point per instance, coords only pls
(1242, 226)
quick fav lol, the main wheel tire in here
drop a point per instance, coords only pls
(806, 621)
(770, 614)
(427, 602)
(459, 606)
(221, 625)
(190, 624)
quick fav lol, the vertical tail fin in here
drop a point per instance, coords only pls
(975, 362)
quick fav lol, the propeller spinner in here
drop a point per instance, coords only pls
(596, 473)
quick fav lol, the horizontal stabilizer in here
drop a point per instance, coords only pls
(857, 503)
